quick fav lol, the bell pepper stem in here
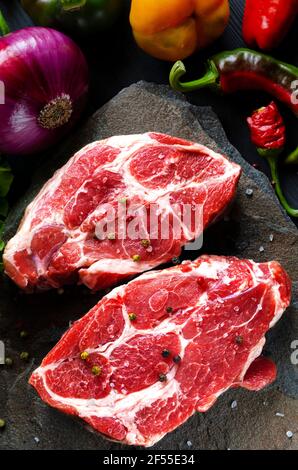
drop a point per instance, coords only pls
(4, 28)
(178, 70)
(292, 159)
(69, 5)
(273, 163)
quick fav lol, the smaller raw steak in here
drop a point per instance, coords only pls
(142, 181)
(167, 344)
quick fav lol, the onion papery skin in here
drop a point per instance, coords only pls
(38, 65)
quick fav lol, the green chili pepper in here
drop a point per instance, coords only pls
(78, 17)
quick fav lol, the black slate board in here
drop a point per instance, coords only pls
(253, 424)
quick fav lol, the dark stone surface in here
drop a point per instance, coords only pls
(253, 424)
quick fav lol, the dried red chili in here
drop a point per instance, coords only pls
(268, 133)
(267, 128)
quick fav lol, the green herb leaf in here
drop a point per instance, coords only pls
(69, 5)
(2, 245)
(6, 178)
(3, 207)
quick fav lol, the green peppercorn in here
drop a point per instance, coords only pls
(111, 236)
(8, 361)
(123, 200)
(162, 378)
(132, 316)
(24, 356)
(84, 355)
(23, 334)
(96, 370)
(145, 243)
(2, 423)
(136, 258)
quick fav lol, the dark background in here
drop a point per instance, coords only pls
(116, 62)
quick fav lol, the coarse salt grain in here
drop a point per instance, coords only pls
(249, 192)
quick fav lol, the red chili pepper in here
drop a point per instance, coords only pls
(268, 131)
(243, 69)
(266, 22)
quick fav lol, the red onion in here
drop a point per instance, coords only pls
(45, 77)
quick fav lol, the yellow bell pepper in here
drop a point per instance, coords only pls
(174, 29)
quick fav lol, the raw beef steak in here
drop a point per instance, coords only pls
(56, 242)
(167, 344)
